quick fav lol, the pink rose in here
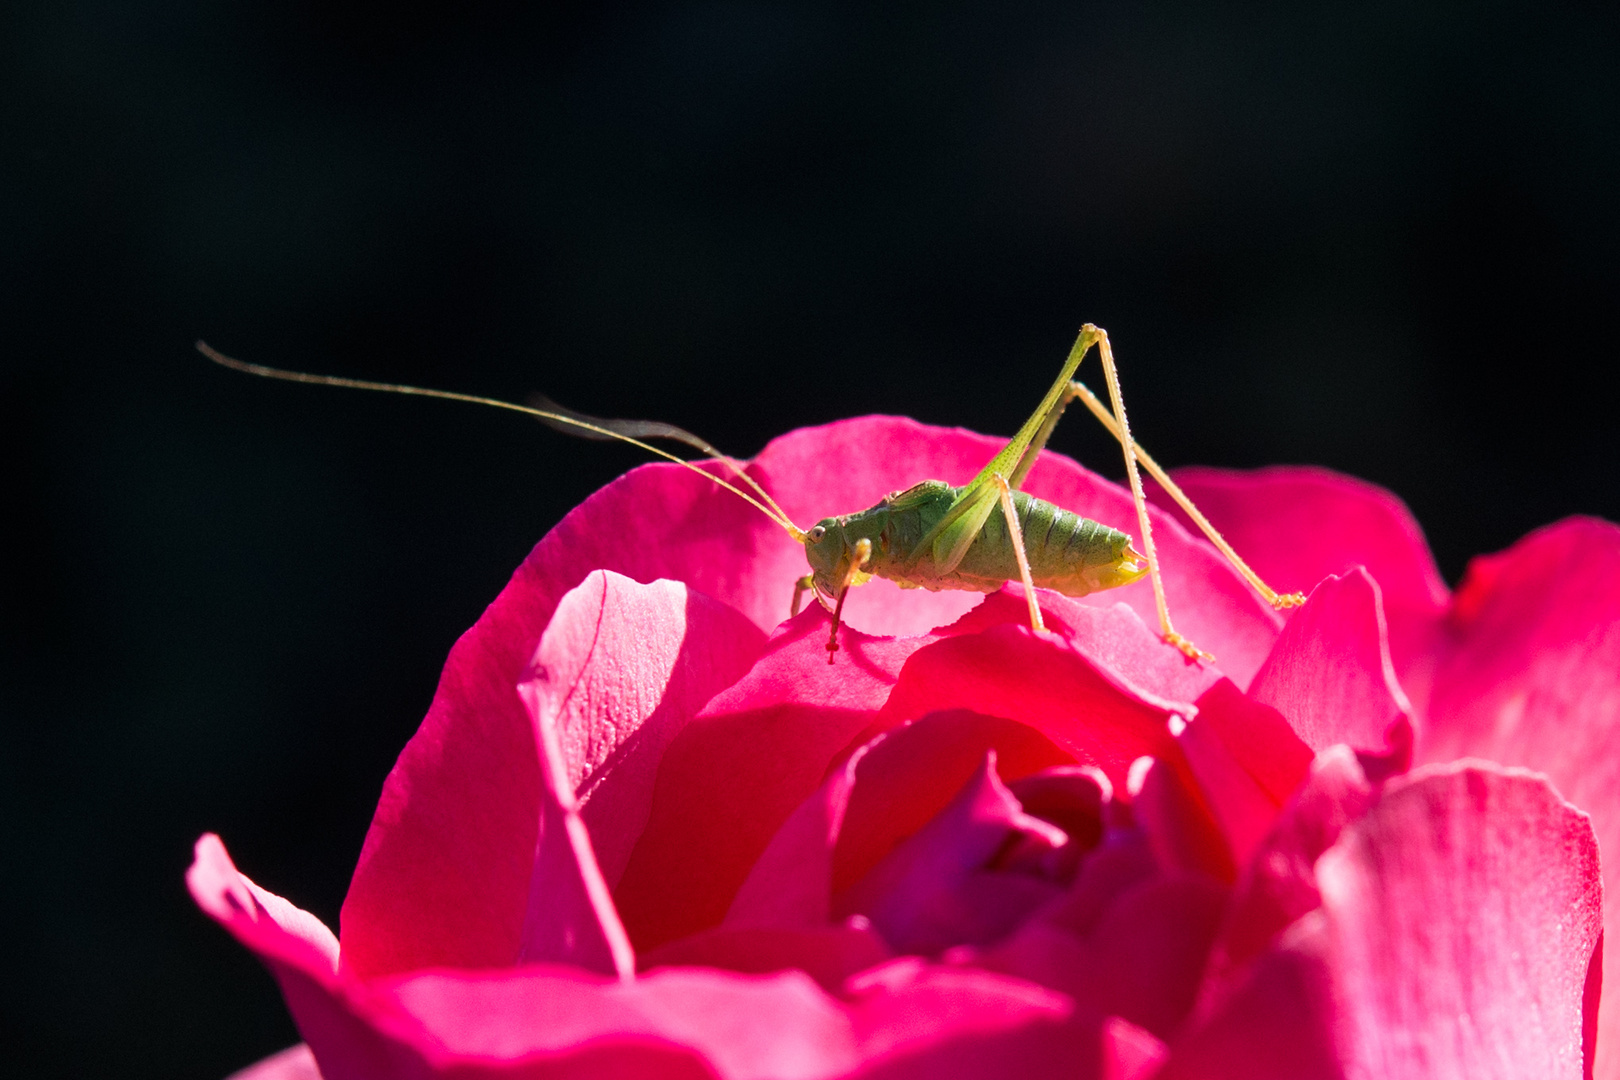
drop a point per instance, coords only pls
(647, 831)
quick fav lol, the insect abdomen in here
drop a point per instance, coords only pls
(1067, 553)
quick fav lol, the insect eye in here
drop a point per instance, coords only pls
(818, 532)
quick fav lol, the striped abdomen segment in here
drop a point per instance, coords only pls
(1067, 553)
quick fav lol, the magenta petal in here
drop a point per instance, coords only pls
(1530, 675)
(459, 814)
(1296, 525)
(623, 667)
(906, 778)
(1493, 881)
(303, 960)
(1238, 803)
(734, 774)
(1072, 797)
(1258, 739)
(922, 1022)
(1009, 671)
(1181, 827)
(443, 877)
(543, 1022)
(1279, 883)
(791, 884)
(1459, 917)
(1330, 673)
(828, 954)
(1279, 1026)
(293, 1063)
(236, 902)
(918, 1022)
(1142, 959)
(1112, 638)
(885, 791)
(936, 888)
(620, 670)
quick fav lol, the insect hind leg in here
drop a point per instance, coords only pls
(1122, 431)
(1280, 601)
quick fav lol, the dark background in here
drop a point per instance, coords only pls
(1382, 239)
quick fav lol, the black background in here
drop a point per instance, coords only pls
(1380, 238)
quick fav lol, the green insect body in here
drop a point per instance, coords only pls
(1067, 553)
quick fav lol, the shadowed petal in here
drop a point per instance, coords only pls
(293, 1063)
(937, 887)
(736, 772)
(545, 1022)
(886, 790)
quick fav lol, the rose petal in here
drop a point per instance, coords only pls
(461, 809)
(736, 772)
(1278, 884)
(790, 886)
(1239, 804)
(828, 954)
(885, 791)
(571, 917)
(1330, 673)
(935, 889)
(293, 1063)
(1497, 875)
(1459, 918)
(444, 873)
(1178, 821)
(623, 667)
(1530, 675)
(542, 1022)
(1072, 797)
(1113, 638)
(302, 961)
(1129, 1053)
(1142, 960)
(909, 777)
(1296, 525)
(1009, 671)
(1123, 861)
(1257, 737)
(1279, 1025)
(998, 1027)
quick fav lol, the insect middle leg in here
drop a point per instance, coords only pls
(1015, 533)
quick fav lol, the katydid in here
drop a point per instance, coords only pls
(931, 535)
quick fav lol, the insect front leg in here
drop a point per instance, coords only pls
(800, 587)
(859, 555)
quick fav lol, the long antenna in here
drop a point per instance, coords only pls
(588, 426)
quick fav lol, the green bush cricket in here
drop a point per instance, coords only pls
(931, 535)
